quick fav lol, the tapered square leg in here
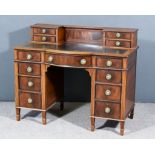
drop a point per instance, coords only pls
(131, 115)
(122, 123)
(61, 106)
(44, 117)
(92, 123)
(17, 114)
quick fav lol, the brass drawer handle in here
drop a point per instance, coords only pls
(83, 61)
(30, 83)
(118, 35)
(107, 92)
(44, 38)
(29, 69)
(117, 43)
(43, 30)
(50, 59)
(107, 110)
(109, 63)
(29, 56)
(108, 77)
(29, 100)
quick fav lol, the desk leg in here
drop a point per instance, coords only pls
(131, 114)
(44, 117)
(92, 123)
(61, 105)
(17, 114)
(122, 123)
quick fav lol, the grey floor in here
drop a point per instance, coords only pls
(74, 122)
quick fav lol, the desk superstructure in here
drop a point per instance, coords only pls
(107, 54)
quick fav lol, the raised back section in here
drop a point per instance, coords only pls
(83, 35)
(120, 38)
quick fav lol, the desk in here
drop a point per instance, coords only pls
(39, 69)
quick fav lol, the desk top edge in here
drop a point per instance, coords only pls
(85, 27)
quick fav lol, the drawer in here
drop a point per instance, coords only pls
(109, 76)
(69, 60)
(118, 35)
(30, 83)
(49, 39)
(109, 62)
(117, 43)
(108, 92)
(44, 31)
(29, 69)
(107, 110)
(29, 56)
(30, 100)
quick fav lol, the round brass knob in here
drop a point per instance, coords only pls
(29, 69)
(109, 63)
(43, 38)
(43, 30)
(107, 92)
(118, 35)
(83, 61)
(30, 83)
(29, 100)
(107, 110)
(108, 76)
(29, 56)
(50, 59)
(118, 43)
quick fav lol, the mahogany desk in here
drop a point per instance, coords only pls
(107, 54)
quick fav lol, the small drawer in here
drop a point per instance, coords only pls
(47, 39)
(118, 43)
(30, 100)
(108, 92)
(29, 56)
(109, 62)
(69, 60)
(107, 110)
(44, 31)
(29, 69)
(118, 35)
(30, 83)
(109, 76)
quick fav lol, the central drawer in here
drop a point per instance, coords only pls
(29, 69)
(108, 92)
(69, 60)
(30, 83)
(30, 100)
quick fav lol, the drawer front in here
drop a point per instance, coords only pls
(108, 62)
(109, 76)
(49, 39)
(107, 110)
(29, 56)
(44, 31)
(30, 83)
(29, 69)
(118, 35)
(107, 92)
(69, 60)
(112, 43)
(30, 100)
